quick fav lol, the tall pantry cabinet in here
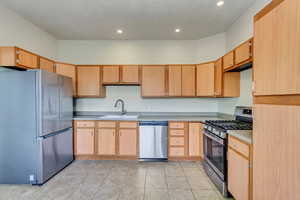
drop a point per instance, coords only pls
(276, 92)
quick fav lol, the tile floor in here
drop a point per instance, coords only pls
(120, 180)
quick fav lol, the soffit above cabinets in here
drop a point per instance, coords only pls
(139, 19)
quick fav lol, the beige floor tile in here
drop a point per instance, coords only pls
(206, 195)
(181, 195)
(174, 171)
(178, 183)
(157, 195)
(155, 182)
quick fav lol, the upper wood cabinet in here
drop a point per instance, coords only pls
(16, 57)
(69, 71)
(89, 82)
(277, 50)
(111, 74)
(231, 84)
(174, 80)
(130, 74)
(121, 75)
(243, 53)
(228, 60)
(218, 80)
(206, 79)
(154, 81)
(188, 80)
(47, 64)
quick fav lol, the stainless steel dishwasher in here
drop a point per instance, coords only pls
(153, 140)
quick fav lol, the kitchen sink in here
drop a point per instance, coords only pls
(119, 117)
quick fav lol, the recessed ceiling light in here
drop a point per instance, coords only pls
(177, 30)
(220, 3)
(119, 31)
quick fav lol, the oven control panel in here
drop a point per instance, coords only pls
(215, 131)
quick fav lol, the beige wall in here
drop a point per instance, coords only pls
(16, 31)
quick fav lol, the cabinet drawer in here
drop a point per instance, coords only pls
(176, 132)
(239, 146)
(106, 124)
(176, 125)
(128, 124)
(176, 151)
(176, 141)
(85, 124)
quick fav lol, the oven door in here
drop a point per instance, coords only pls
(215, 153)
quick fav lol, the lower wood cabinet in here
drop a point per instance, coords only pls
(84, 141)
(185, 141)
(106, 139)
(239, 171)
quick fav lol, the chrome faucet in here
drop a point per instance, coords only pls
(123, 106)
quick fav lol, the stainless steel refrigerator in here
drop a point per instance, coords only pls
(36, 141)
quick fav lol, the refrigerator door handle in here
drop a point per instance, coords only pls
(55, 133)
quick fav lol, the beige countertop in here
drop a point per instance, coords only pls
(243, 135)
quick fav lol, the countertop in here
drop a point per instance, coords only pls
(154, 116)
(243, 135)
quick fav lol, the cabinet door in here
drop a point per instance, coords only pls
(47, 65)
(231, 84)
(69, 71)
(218, 77)
(174, 85)
(128, 142)
(228, 60)
(106, 141)
(277, 50)
(206, 79)
(130, 74)
(111, 74)
(238, 175)
(243, 52)
(195, 142)
(26, 59)
(153, 81)
(88, 81)
(84, 141)
(276, 152)
(188, 80)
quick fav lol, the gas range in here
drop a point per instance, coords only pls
(215, 145)
(221, 127)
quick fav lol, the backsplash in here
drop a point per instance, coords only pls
(135, 103)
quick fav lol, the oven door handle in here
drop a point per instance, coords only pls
(215, 138)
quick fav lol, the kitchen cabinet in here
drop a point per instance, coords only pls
(89, 82)
(174, 80)
(69, 71)
(238, 174)
(128, 142)
(154, 81)
(84, 141)
(178, 140)
(277, 49)
(206, 79)
(106, 141)
(228, 60)
(218, 79)
(16, 57)
(276, 151)
(46, 64)
(196, 139)
(188, 81)
(121, 75)
(130, 74)
(231, 84)
(243, 53)
(111, 74)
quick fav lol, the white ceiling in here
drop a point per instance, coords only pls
(139, 19)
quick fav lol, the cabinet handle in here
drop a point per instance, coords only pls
(18, 61)
(120, 133)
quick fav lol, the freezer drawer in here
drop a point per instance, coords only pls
(56, 153)
(153, 140)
